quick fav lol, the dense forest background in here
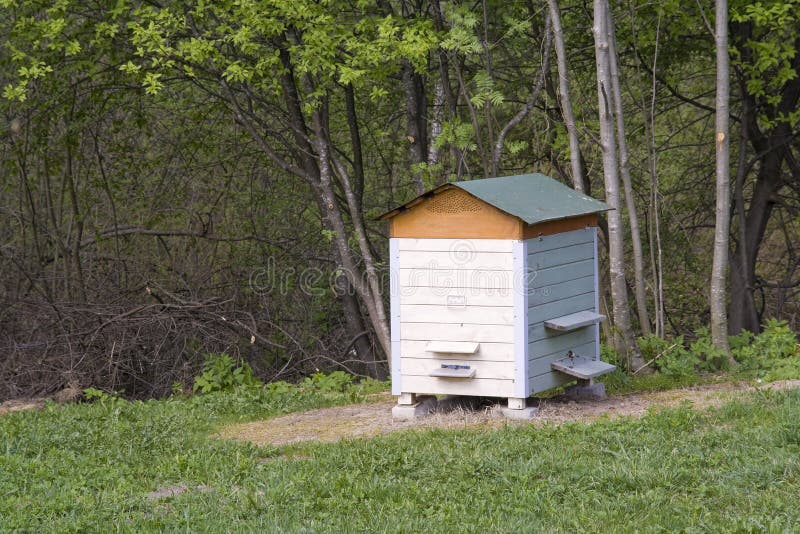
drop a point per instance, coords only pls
(180, 178)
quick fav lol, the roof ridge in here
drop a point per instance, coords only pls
(533, 198)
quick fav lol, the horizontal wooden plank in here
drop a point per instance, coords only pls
(457, 332)
(457, 347)
(478, 387)
(551, 242)
(560, 256)
(449, 296)
(565, 342)
(573, 321)
(455, 245)
(561, 291)
(582, 368)
(458, 259)
(560, 273)
(548, 381)
(541, 365)
(456, 278)
(552, 310)
(499, 352)
(483, 369)
(463, 373)
(486, 315)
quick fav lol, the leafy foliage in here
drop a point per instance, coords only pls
(669, 356)
(772, 355)
(220, 373)
(711, 358)
(335, 382)
(94, 394)
(767, 59)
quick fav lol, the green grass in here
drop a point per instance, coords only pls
(620, 382)
(90, 467)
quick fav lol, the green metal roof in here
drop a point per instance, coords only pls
(534, 198)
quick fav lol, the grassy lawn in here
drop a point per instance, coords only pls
(92, 467)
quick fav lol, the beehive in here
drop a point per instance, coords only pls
(494, 289)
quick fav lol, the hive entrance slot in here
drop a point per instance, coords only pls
(453, 371)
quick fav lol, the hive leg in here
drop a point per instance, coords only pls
(517, 403)
(409, 406)
(407, 399)
(586, 390)
(518, 409)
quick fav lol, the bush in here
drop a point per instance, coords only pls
(336, 382)
(710, 358)
(220, 373)
(669, 356)
(772, 355)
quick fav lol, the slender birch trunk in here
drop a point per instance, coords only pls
(497, 153)
(656, 250)
(624, 167)
(566, 101)
(624, 339)
(437, 118)
(717, 298)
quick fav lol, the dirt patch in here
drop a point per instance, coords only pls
(369, 420)
(18, 405)
(176, 490)
(353, 421)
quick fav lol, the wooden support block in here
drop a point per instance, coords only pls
(407, 399)
(517, 403)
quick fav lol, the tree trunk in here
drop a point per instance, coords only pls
(566, 101)
(741, 290)
(473, 115)
(318, 172)
(717, 298)
(414, 90)
(656, 250)
(772, 149)
(497, 154)
(624, 166)
(743, 312)
(437, 118)
(624, 340)
(369, 289)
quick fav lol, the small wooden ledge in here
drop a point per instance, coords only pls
(452, 347)
(574, 321)
(582, 367)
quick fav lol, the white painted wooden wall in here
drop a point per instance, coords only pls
(496, 293)
(458, 290)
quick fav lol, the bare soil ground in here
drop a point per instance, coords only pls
(18, 405)
(373, 419)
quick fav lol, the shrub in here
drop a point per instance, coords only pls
(772, 355)
(710, 358)
(220, 373)
(669, 356)
(98, 395)
(335, 382)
